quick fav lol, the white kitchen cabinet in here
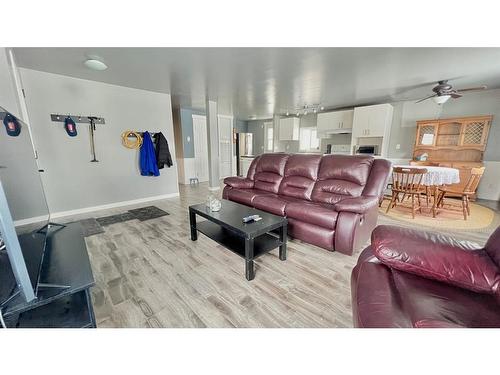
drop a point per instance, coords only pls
(289, 129)
(372, 121)
(334, 122)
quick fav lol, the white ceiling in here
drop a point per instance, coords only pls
(262, 81)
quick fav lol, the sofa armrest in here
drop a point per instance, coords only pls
(358, 205)
(437, 257)
(239, 182)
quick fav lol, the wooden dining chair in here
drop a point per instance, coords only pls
(427, 189)
(408, 182)
(465, 192)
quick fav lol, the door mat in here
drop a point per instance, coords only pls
(113, 219)
(148, 213)
(90, 227)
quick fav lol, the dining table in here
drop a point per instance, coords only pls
(436, 177)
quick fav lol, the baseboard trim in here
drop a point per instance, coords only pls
(31, 220)
(61, 214)
(85, 210)
(214, 188)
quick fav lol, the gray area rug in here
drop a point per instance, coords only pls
(95, 226)
(113, 219)
(147, 213)
(90, 227)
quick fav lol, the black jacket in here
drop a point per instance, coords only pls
(162, 151)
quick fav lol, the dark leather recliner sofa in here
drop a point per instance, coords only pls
(409, 278)
(330, 201)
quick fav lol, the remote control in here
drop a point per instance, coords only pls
(248, 219)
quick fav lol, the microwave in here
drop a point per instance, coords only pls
(366, 150)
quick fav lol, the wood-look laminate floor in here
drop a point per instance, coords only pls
(150, 274)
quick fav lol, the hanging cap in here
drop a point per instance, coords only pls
(12, 125)
(70, 127)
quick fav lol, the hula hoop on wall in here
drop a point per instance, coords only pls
(129, 143)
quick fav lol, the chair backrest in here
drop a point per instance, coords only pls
(475, 176)
(406, 180)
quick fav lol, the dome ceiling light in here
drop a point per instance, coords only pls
(95, 64)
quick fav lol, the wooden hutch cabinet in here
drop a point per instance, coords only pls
(453, 142)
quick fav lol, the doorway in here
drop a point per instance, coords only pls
(225, 145)
(200, 143)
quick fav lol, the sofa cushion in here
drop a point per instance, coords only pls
(333, 191)
(355, 169)
(312, 213)
(268, 181)
(239, 182)
(385, 298)
(244, 196)
(253, 167)
(274, 204)
(301, 172)
(436, 256)
(310, 233)
(433, 300)
(341, 176)
(272, 163)
(269, 172)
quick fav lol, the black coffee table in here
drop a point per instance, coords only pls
(247, 240)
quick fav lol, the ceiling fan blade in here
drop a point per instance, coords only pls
(479, 88)
(428, 97)
(456, 95)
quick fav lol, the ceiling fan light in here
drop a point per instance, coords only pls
(441, 99)
(95, 64)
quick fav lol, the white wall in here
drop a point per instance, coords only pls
(8, 98)
(71, 182)
(19, 173)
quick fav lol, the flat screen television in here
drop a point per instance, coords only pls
(23, 212)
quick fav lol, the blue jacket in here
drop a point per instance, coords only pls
(147, 157)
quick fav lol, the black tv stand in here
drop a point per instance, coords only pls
(63, 287)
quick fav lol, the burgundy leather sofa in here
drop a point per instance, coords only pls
(330, 201)
(410, 278)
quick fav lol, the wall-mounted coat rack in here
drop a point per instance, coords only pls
(78, 119)
(91, 120)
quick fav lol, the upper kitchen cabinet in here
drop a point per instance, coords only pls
(334, 123)
(289, 129)
(372, 126)
(372, 121)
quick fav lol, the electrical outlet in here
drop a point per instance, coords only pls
(398, 146)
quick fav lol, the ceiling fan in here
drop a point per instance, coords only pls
(444, 91)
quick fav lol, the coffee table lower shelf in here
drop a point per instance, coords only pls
(230, 240)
